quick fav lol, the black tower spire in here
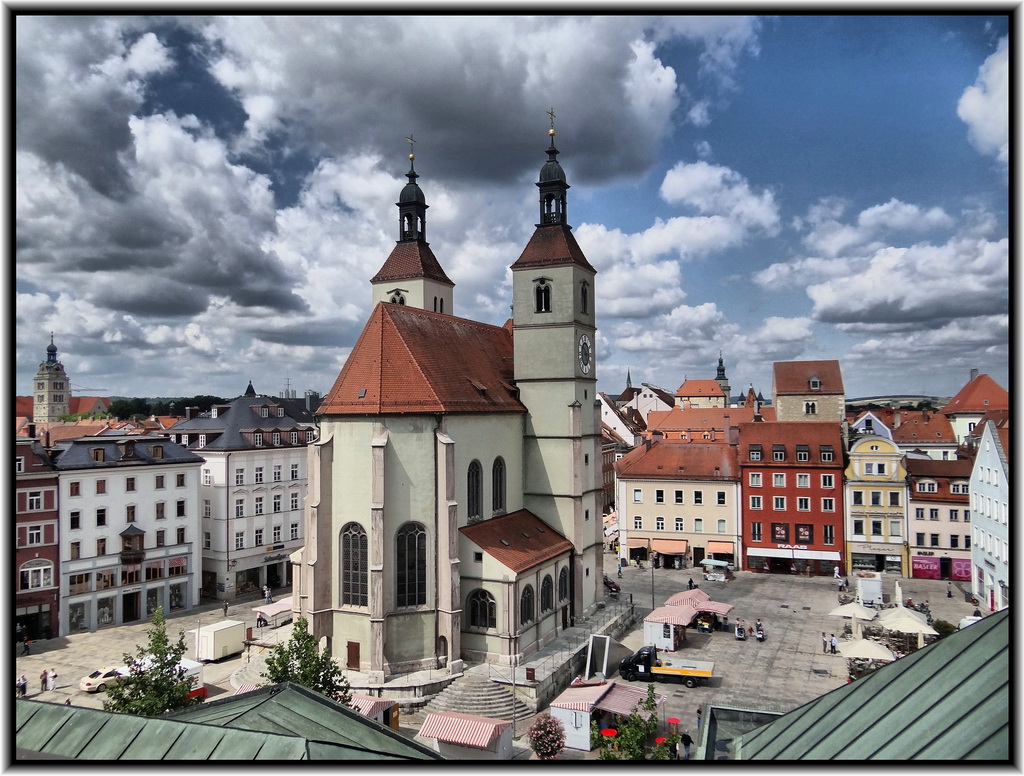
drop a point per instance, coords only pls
(552, 184)
(412, 205)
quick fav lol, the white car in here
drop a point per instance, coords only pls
(967, 621)
(98, 680)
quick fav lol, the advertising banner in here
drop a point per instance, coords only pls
(924, 568)
(962, 568)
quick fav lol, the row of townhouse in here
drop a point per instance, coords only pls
(788, 497)
(111, 527)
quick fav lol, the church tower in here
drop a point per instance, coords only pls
(553, 324)
(52, 389)
(722, 380)
(412, 274)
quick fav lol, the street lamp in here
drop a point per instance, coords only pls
(650, 562)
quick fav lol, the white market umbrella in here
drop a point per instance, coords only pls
(898, 593)
(866, 649)
(910, 625)
(901, 612)
(857, 611)
(713, 562)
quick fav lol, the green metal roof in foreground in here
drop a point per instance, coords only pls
(948, 701)
(280, 722)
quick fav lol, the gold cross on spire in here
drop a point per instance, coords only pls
(551, 115)
(412, 146)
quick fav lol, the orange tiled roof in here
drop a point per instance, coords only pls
(793, 377)
(979, 395)
(411, 260)
(698, 419)
(519, 540)
(700, 388)
(413, 361)
(806, 432)
(24, 406)
(78, 404)
(680, 460)
(919, 426)
(552, 245)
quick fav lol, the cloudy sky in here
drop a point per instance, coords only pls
(201, 201)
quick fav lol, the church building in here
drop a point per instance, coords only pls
(454, 491)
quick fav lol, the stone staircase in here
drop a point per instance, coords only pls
(475, 694)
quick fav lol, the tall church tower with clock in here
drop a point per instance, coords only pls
(553, 324)
(52, 389)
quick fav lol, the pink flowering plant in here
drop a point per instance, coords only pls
(547, 737)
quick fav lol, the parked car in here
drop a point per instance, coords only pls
(613, 587)
(98, 680)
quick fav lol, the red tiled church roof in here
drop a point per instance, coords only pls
(793, 377)
(680, 460)
(409, 360)
(979, 395)
(519, 540)
(552, 245)
(411, 260)
(700, 388)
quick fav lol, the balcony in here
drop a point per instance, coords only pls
(131, 556)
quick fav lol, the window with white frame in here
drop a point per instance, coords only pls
(959, 487)
(35, 500)
(638, 523)
(207, 540)
(828, 534)
(239, 507)
(876, 527)
(895, 528)
(755, 454)
(778, 455)
(257, 438)
(826, 454)
(698, 497)
(239, 540)
(35, 534)
(679, 497)
(755, 532)
(277, 472)
(828, 505)
(264, 412)
(926, 487)
(659, 496)
(294, 500)
(919, 513)
(258, 506)
(858, 498)
(954, 515)
(720, 496)
(277, 502)
(803, 504)
(239, 476)
(295, 437)
(876, 498)
(721, 526)
(894, 498)
(698, 525)
(277, 437)
(20, 465)
(258, 475)
(679, 524)
(779, 503)
(207, 508)
(755, 479)
(659, 523)
(828, 481)
(202, 440)
(295, 471)
(755, 502)
(277, 533)
(207, 477)
(36, 574)
(779, 480)
(803, 480)
(258, 538)
(295, 531)
(637, 496)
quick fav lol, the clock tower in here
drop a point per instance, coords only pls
(553, 324)
(52, 395)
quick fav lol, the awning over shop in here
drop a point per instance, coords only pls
(674, 615)
(768, 552)
(637, 542)
(816, 554)
(725, 548)
(692, 597)
(371, 705)
(669, 546)
(454, 727)
(622, 699)
(715, 607)
(269, 611)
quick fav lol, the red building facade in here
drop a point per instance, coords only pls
(791, 487)
(37, 552)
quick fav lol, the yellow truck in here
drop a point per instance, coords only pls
(646, 665)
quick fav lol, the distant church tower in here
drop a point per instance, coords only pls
(553, 323)
(412, 275)
(52, 389)
(722, 380)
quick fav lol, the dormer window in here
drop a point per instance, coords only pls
(815, 384)
(257, 439)
(280, 412)
(98, 455)
(542, 296)
(158, 451)
(397, 298)
(264, 412)
(213, 412)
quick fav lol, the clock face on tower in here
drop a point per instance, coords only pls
(586, 353)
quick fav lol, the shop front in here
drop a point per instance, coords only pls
(671, 553)
(940, 567)
(876, 557)
(724, 551)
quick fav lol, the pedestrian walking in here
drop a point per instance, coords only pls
(22, 685)
(67, 702)
(225, 607)
(21, 634)
(949, 590)
(25, 647)
(687, 742)
(51, 679)
(42, 680)
(834, 643)
(835, 572)
(698, 717)
(824, 642)
(689, 585)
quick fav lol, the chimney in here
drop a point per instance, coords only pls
(896, 419)
(31, 430)
(974, 373)
(191, 412)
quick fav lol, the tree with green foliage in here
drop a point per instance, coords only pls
(156, 683)
(633, 734)
(299, 661)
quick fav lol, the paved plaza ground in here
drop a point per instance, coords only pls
(780, 674)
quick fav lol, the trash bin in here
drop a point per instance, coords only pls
(673, 726)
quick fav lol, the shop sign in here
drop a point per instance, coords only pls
(272, 558)
(135, 589)
(791, 546)
(924, 568)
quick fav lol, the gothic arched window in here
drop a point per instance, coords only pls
(397, 298)
(584, 296)
(542, 292)
(411, 565)
(354, 566)
(547, 594)
(483, 611)
(526, 606)
(563, 584)
(498, 486)
(474, 491)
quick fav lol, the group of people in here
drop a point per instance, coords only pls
(47, 681)
(829, 643)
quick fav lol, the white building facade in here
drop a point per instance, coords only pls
(990, 551)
